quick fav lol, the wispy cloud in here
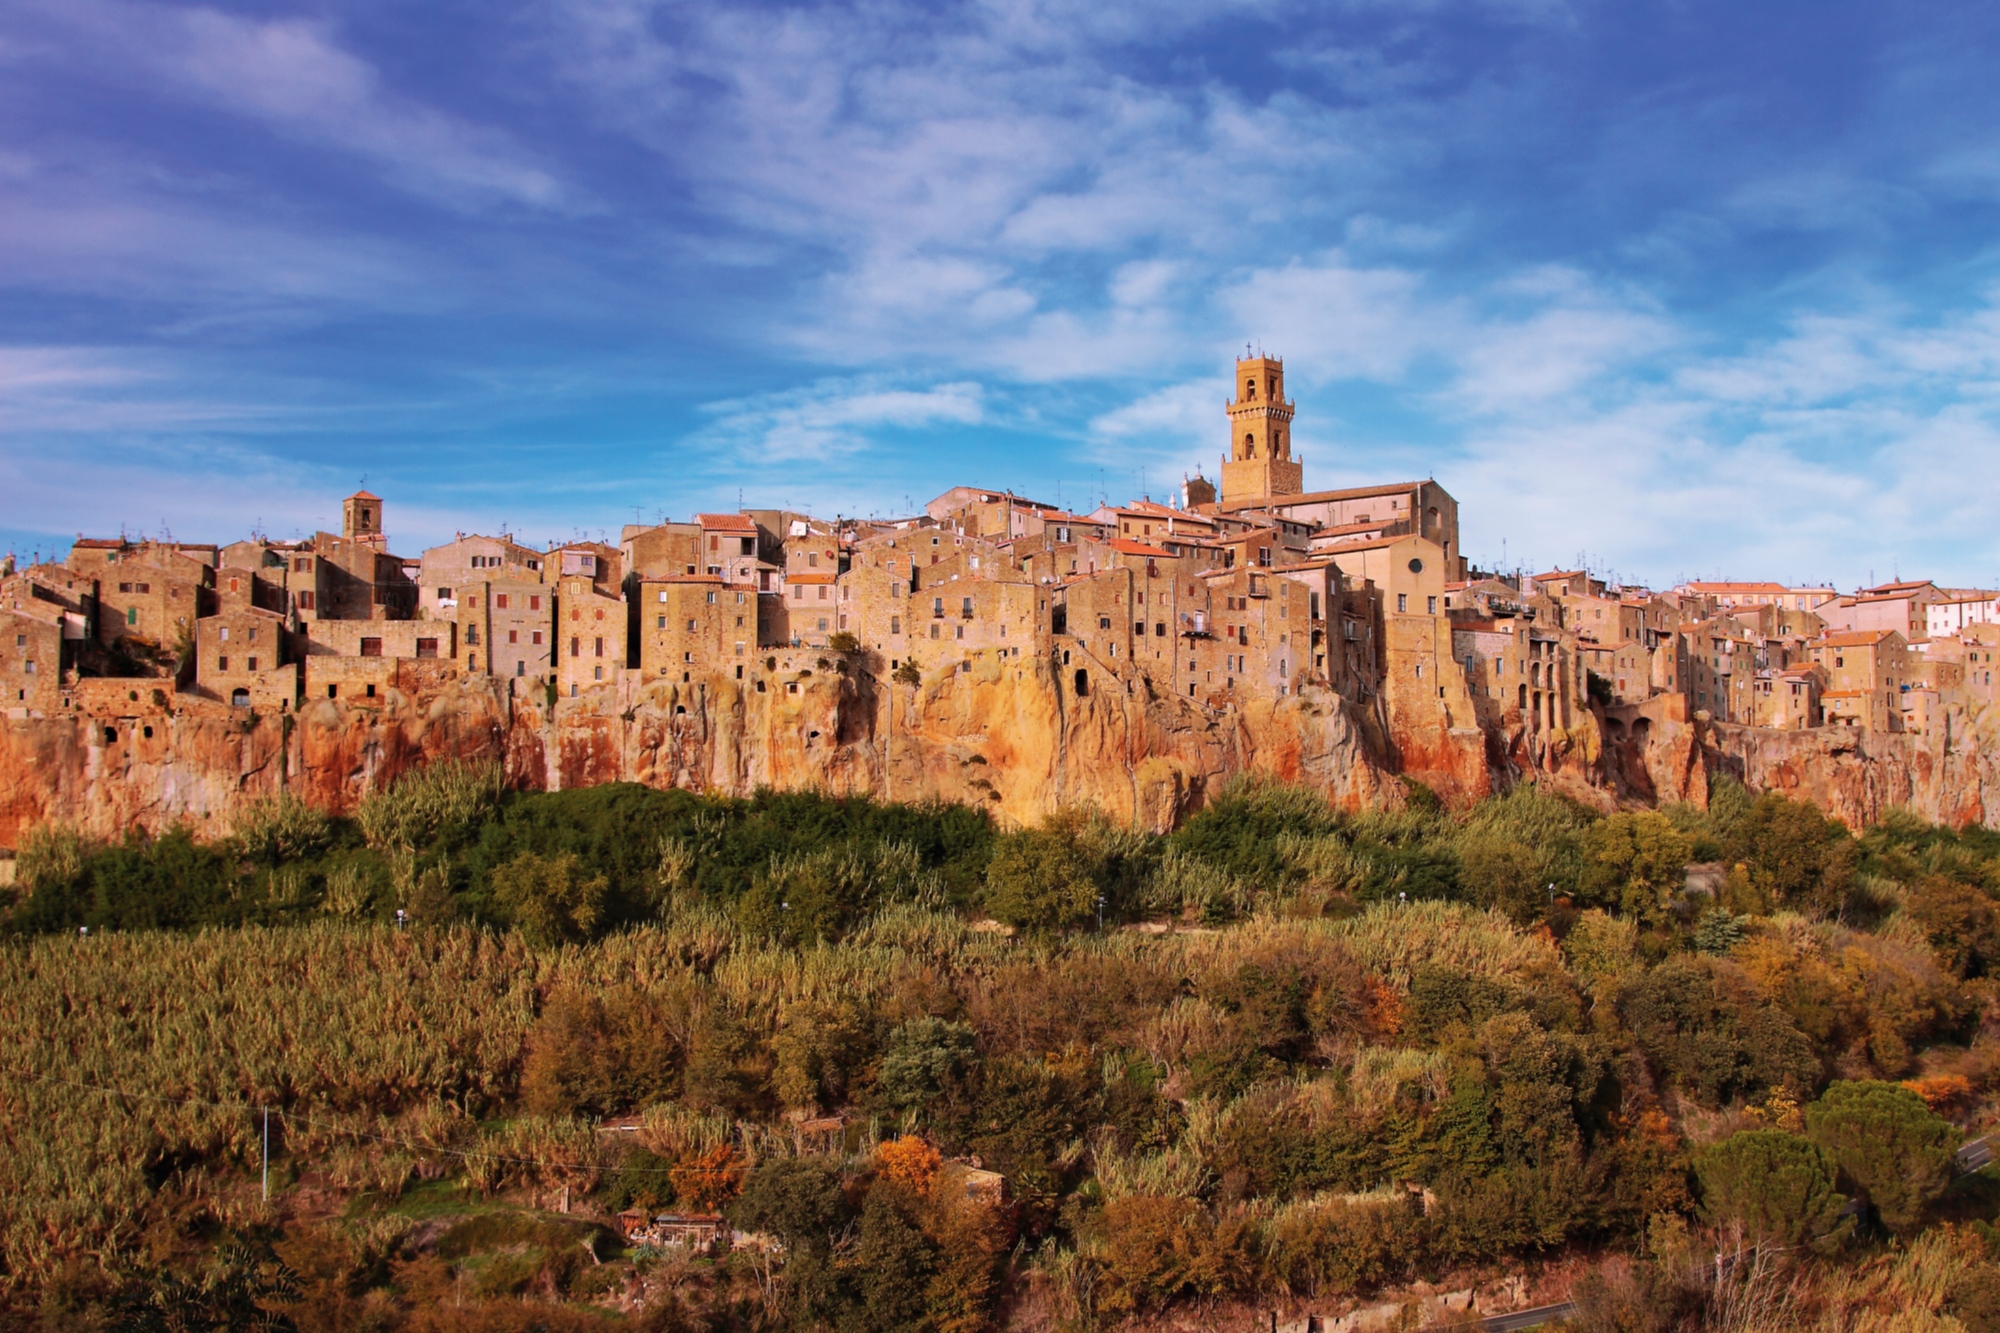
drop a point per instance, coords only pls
(824, 421)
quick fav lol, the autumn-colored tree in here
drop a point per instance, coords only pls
(909, 1163)
(709, 1179)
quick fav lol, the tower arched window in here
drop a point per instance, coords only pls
(1249, 446)
(1250, 389)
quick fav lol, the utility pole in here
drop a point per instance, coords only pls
(267, 1154)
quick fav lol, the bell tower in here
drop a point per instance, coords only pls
(1259, 462)
(361, 518)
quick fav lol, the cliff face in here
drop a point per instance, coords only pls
(1010, 734)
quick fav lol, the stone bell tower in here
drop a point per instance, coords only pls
(361, 518)
(1259, 462)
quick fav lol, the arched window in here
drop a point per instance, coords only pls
(1249, 389)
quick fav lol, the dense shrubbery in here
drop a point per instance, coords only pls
(1396, 1043)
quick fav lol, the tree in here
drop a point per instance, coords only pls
(709, 1179)
(1778, 1187)
(893, 1262)
(549, 898)
(922, 1058)
(1889, 1143)
(1041, 878)
(1500, 872)
(800, 1201)
(1638, 862)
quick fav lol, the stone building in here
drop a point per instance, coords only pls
(446, 571)
(1865, 673)
(1787, 698)
(149, 594)
(693, 625)
(591, 633)
(241, 658)
(34, 656)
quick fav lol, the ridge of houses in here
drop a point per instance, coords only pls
(1256, 587)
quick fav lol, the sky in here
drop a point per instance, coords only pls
(1675, 290)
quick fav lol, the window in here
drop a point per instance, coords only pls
(513, 636)
(895, 624)
(225, 634)
(1402, 602)
(537, 636)
(597, 673)
(425, 648)
(934, 629)
(575, 646)
(305, 601)
(965, 607)
(1432, 605)
(598, 651)
(534, 603)
(222, 664)
(710, 599)
(500, 601)
(131, 615)
(1160, 629)
(253, 664)
(371, 647)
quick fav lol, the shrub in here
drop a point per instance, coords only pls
(1778, 1187)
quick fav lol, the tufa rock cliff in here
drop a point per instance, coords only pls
(1014, 735)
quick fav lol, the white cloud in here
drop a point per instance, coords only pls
(294, 77)
(832, 418)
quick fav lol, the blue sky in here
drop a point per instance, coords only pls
(1684, 289)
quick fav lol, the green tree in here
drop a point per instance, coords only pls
(1041, 879)
(550, 899)
(1889, 1143)
(1797, 857)
(1499, 872)
(894, 1263)
(1638, 863)
(922, 1058)
(1778, 1187)
(800, 1201)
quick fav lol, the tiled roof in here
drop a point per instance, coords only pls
(1125, 546)
(1855, 639)
(727, 522)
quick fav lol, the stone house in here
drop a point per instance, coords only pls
(1493, 654)
(1723, 661)
(1787, 698)
(1260, 635)
(729, 547)
(447, 571)
(241, 659)
(662, 550)
(33, 656)
(602, 566)
(696, 625)
(1865, 673)
(591, 634)
(150, 593)
(996, 515)
(506, 628)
